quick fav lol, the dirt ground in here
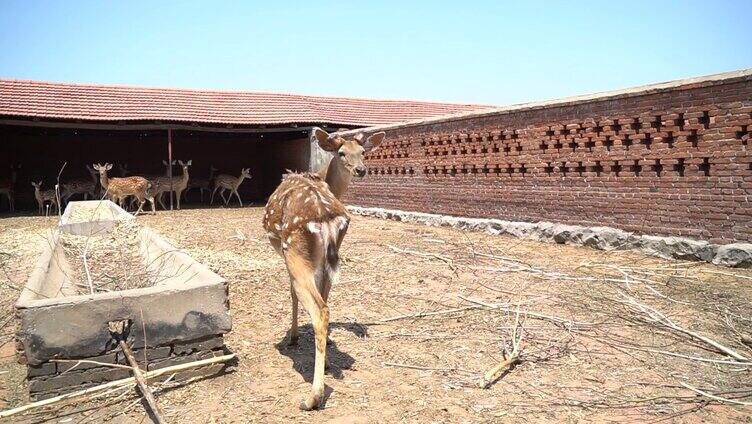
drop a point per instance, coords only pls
(421, 313)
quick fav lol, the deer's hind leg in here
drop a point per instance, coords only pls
(238, 196)
(302, 279)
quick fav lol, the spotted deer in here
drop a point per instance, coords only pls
(80, 186)
(119, 188)
(306, 223)
(44, 196)
(168, 185)
(8, 186)
(228, 182)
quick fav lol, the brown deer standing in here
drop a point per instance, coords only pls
(44, 197)
(167, 185)
(306, 223)
(228, 182)
(119, 188)
(8, 186)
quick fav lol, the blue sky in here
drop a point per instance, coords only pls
(483, 52)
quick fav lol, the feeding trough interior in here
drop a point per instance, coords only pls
(101, 265)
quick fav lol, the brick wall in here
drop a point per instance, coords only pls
(55, 378)
(672, 159)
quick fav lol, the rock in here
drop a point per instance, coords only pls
(603, 238)
(677, 248)
(736, 255)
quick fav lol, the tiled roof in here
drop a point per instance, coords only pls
(36, 99)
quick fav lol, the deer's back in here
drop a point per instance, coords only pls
(128, 185)
(299, 200)
(224, 180)
(76, 185)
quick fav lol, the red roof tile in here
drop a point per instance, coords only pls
(23, 98)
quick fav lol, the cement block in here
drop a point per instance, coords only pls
(47, 368)
(209, 343)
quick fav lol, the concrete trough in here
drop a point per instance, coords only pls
(181, 317)
(91, 217)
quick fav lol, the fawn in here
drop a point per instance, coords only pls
(44, 196)
(306, 223)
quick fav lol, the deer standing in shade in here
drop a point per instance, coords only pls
(201, 184)
(44, 196)
(306, 223)
(119, 188)
(80, 186)
(168, 185)
(8, 186)
(228, 182)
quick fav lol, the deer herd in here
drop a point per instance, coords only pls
(304, 219)
(136, 190)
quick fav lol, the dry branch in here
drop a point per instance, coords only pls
(716, 398)
(491, 375)
(556, 320)
(446, 260)
(117, 329)
(657, 317)
(428, 314)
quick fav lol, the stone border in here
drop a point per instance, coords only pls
(736, 255)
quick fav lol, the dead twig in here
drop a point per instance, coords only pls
(556, 320)
(428, 314)
(118, 329)
(493, 374)
(446, 260)
(655, 316)
(714, 397)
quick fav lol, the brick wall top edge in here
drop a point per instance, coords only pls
(726, 78)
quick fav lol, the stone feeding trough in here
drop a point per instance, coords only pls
(101, 265)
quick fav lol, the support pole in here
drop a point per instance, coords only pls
(169, 161)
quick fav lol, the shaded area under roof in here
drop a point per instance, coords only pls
(87, 102)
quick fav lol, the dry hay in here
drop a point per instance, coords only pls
(113, 258)
(90, 211)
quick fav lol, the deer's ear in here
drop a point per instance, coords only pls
(190, 161)
(326, 142)
(108, 166)
(374, 141)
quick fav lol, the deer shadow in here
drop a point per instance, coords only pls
(303, 354)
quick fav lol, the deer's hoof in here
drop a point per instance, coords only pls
(309, 404)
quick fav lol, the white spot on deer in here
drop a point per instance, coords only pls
(313, 227)
(296, 220)
(299, 195)
(278, 227)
